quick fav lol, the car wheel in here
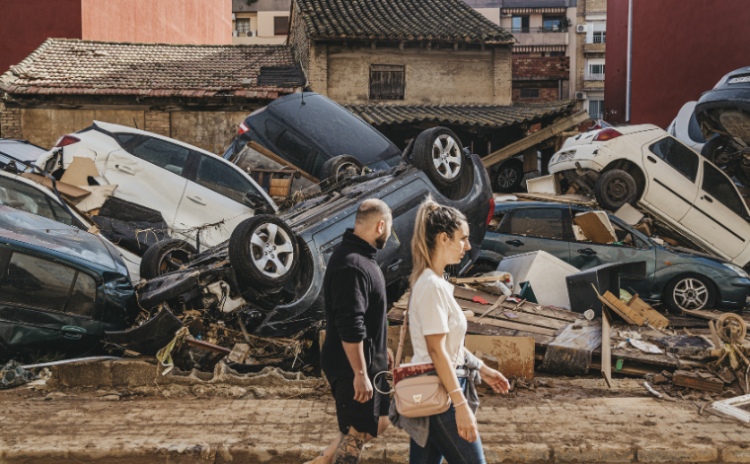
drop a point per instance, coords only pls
(166, 256)
(509, 176)
(439, 153)
(339, 168)
(264, 251)
(689, 291)
(615, 188)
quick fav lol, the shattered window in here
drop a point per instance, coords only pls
(163, 154)
(721, 188)
(27, 198)
(222, 179)
(677, 155)
(83, 297)
(295, 148)
(538, 222)
(36, 283)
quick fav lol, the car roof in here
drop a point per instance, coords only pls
(20, 227)
(117, 128)
(21, 150)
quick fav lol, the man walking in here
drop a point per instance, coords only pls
(355, 347)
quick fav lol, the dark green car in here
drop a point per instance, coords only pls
(679, 279)
(60, 288)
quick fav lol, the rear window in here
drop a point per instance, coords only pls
(537, 222)
(335, 128)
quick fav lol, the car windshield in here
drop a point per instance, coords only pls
(335, 128)
(21, 151)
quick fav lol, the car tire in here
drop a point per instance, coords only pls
(166, 256)
(339, 168)
(615, 188)
(264, 251)
(439, 153)
(689, 291)
(508, 177)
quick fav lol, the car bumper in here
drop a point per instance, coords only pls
(736, 294)
(740, 282)
(568, 165)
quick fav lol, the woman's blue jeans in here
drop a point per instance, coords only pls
(445, 442)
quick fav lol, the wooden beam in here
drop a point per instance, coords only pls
(606, 365)
(535, 138)
(274, 157)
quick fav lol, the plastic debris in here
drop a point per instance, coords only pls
(645, 346)
(13, 375)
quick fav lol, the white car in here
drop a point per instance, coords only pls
(645, 164)
(27, 195)
(196, 191)
(686, 129)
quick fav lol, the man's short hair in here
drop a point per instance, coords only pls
(371, 210)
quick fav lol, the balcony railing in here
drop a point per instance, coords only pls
(593, 77)
(552, 29)
(520, 29)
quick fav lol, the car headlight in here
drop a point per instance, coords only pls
(741, 272)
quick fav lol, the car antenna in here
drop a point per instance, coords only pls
(303, 98)
(136, 124)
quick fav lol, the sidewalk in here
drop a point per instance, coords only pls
(291, 431)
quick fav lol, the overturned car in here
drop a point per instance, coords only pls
(267, 278)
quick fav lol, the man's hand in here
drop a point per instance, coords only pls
(390, 361)
(362, 387)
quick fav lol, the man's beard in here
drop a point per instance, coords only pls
(381, 241)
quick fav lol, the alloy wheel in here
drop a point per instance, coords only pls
(690, 293)
(272, 250)
(446, 156)
(507, 177)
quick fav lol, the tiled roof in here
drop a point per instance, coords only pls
(434, 20)
(487, 116)
(84, 67)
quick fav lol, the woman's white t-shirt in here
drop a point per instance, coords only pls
(432, 311)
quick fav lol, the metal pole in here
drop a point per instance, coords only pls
(630, 60)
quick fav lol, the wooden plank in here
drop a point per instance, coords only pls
(642, 358)
(648, 313)
(521, 317)
(712, 315)
(70, 191)
(606, 364)
(274, 157)
(513, 325)
(514, 356)
(535, 138)
(621, 309)
(478, 279)
(461, 293)
(541, 340)
(694, 380)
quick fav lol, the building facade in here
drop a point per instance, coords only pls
(198, 94)
(673, 62)
(591, 45)
(25, 25)
(260, 22)
(544, 55)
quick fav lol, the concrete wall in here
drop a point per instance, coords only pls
(210, 130)
(166, 21)
(437, 76)
(673, 61)
(25, 24)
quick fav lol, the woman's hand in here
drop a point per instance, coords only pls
(495, 379)
(467, 423)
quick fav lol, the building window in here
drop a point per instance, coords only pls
(596, 109)
(529, 93)
(243, 25)
(387, 82)
(600, 37)
(555, 54)
(595, 69)
(281, 25)
(553, 24)
(520, 24)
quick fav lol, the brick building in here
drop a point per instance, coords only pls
(591, 28)
(194, 93)
(260, 21)
(405, 65)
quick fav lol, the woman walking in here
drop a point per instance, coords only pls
(437, 327)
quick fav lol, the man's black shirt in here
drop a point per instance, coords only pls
(355, 304)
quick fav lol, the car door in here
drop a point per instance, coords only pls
(585, 255)
(151, 174)
(45, 305)
(524, 230)
(671, 175)
(718, 215)
(216, 193)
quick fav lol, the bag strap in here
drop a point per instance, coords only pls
(402, 335)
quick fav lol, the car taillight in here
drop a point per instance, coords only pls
(606, 134)
(66, 140)
(492, 211)
(243, 128)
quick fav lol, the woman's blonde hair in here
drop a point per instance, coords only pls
(432, 220)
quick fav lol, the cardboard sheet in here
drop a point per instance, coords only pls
(99, 194)
(596, 227)
(79, 171)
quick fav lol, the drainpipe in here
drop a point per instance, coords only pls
(630, 60)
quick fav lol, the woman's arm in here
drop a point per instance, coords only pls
(467, 423)
(494, 379)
